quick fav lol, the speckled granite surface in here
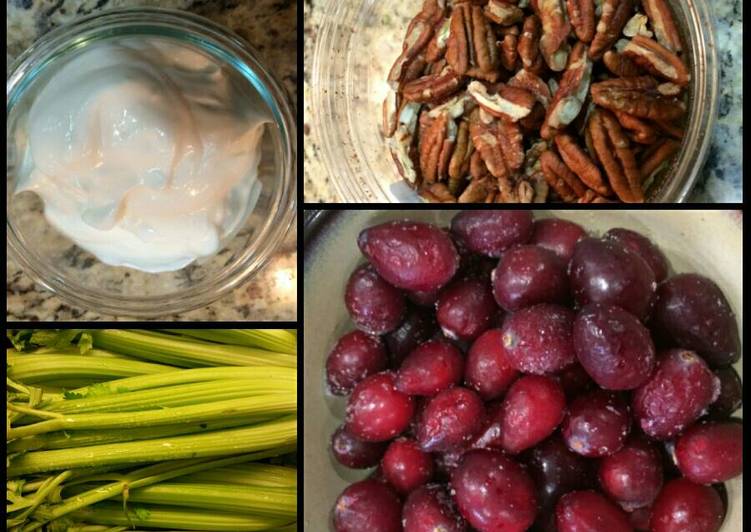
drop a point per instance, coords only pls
(271, 27)
(721, 179)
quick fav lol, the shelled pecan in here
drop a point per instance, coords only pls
(537, 100)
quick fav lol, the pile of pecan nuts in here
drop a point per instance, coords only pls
(536, 100)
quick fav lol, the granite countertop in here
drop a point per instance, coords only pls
(721, 178)
(271, 27)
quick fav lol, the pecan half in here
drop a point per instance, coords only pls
(508, 46)
(471, 47)
(512, 103)
(655, 58)
(655, 157)
(401, 145)
(620, 65)
(582, 16)
(436, 147)
(636, 96)
(433, 87)
(555, 29)
(571, 93)
(555, 170)
(485, 140)
(662, 21)
(642, 132)
(437, 193)
(477, 167)
(615, 14)
(615, 155)
(524, 79)
(459, 163)
(529, 41)
(512, 143)
(503, 13)
(477, 191)
(437, 45)
(670, 128)
(419, 32)
(580, 163)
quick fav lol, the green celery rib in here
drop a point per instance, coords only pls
(272, 339)
(268, 475)
(35, 368)
(218, 443)
(179, 352)
(256, 405)
(176, 518)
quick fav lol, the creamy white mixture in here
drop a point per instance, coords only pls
(144, 152)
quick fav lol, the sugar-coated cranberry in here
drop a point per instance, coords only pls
(539, 339)
(377, 411)
(406, 466)
(465, 308)
(585, 511)
(492, 232)
(731, 393)
(632, 476)
(527, 275)
(559, 236)
(711, 452)
(413, 256)
(418, 326)
(683, 506)
(368, 505)
(603, 271)
(643, 247)
(692, 312)
(493, 492)
(355, 356)
(488, 370)
(597, 424)
(375, 306)
(450, 420)
(430, 509)
(355, 453)
(676, 394)
(613, 347)
(433, 366)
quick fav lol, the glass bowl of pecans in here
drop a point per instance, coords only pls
(509, 101)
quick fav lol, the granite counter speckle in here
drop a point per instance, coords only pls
(271, 27)
(721, 178)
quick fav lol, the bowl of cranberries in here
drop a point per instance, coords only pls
(511, 370)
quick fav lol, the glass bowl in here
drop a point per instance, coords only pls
(357, 43)
(78, 277)
(708, 242)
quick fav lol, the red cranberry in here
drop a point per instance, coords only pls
(613, 346)
(585, 511)
(433, 366)
(367, 505)
(602, 271)
(711, 452)
(693, 313)
(731, 394)
(465, 309)
(488, 370)
(354, 453)
(430, 509)
(559, 236)
(493, 492)
(406, 466)
(539, 339)
(632, 476)
(575, 380)
(683, 506)
(527, 275)
(531, 411)
(492, 232)
(375, 306)
(489, 435)
(418, 326)
(597, 424)
(450, 420)
(643, 247)
(413, 256)
(678, 392)
(355, 356)
(377, 411)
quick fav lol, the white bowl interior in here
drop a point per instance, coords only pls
(708, 242)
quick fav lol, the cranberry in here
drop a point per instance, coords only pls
(449, 420)
(418, 326)
(375, 306)
(465, 309)
(488, 370)
(711, 452)
(597, 424)
(489, 435)
(433, 366)
(430, 509)
(406, 466)
(602, 271)
(352, 452)
(527, 275)
(377, 411)
(531, 411)
(731, 394)
(355, 356)
(643, 247)
(574, 380)
(678, 392)
(585, 511)
(559, 236)
(413, 256)
(493, 492)
(492, 232)
(539, 339)
(613, 347)
(693, 313)
(632, 476)
(367, 505)
(683, 506)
